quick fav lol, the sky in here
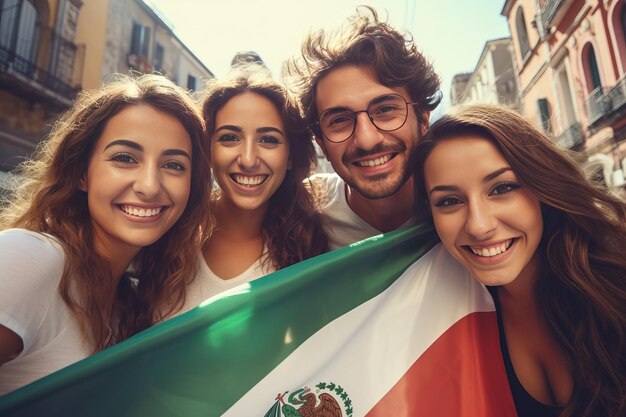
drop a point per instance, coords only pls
(450, 33)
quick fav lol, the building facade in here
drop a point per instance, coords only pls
(493, 81)
(570, 58)
(40, 71)
(130, 35)
(51, 49)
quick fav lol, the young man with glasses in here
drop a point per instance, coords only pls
(367, 95)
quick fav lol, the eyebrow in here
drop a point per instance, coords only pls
(488, 177)
(269, 129)
(125, 142)
(259, 130)
(375, 100)
(136, 146)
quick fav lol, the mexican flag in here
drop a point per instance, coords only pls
(391, 326)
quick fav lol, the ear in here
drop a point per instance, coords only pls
(82, 183)
(289, 164)
(425, 122)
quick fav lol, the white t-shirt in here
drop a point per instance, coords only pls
(207, 284)
(341, 223)
(31, 266)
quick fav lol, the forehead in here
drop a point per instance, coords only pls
(464, 156)
(352, 87)
(147, 126)
(249, 108)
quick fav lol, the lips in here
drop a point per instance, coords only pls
(488, 251)
(374, 162)
(249, 180)
(140, 211)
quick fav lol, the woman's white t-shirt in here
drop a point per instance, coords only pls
(207, 284)
(31, 266)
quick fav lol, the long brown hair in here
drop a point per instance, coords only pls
(364, 41)
(582, 290)
(292, 230)
(47, 199)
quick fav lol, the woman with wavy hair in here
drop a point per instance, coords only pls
(260, 154)
(519, 214)
(120, 180)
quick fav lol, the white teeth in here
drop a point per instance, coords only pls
(492, 251)
(374, 162)
(140, 212)
(248, 180)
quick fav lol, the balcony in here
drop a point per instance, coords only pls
(571, 137)
(57, 81)
(604, 105)
(553, 11)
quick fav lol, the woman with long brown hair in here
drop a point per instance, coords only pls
(519, 214)
(120, 180)
(260, 154)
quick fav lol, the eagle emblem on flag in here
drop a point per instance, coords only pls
(327, 400)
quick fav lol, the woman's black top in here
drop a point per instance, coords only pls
(525, 404)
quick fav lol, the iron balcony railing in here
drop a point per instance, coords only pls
(63, 69)
(550, 9)
(604, 102)
(571, 137)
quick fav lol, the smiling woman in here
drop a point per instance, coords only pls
(119, 181)
(518, 213)
(260, 155)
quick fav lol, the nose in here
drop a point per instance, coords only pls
(249, 158)
(481, 220)
(366, 135)
(148, 181)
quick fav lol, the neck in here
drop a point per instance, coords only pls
(385, 214)
(119, 258)
(234, 222)
(520, 293)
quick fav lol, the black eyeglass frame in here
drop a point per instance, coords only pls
(355, 113)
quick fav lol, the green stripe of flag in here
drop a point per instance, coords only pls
(202, 362)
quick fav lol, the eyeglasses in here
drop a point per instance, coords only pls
(387, 113)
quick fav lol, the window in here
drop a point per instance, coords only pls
(522, 34)
(158, 57)
(544, 114)
(593, 68)
(19, 28)
(140, 40)
(191, 82)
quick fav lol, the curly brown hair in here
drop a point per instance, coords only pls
(292, 230)
(364, 41)
(47, 199)
(582, 290)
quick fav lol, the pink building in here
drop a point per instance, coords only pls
(570, 58)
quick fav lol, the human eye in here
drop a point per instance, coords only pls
(447, 202)
(124, 158)
(337, 119)
(385, 108)
(503, 188)
(269, 140)
(386, 105)
(175, 166)
(340, 120)
(227, 137)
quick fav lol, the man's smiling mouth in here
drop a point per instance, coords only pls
(376, 161)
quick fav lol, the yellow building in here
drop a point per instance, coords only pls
(123, 35)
